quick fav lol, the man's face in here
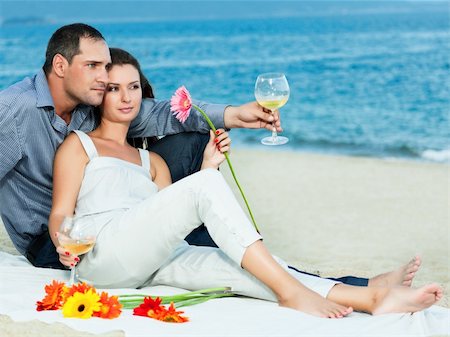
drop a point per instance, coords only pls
(86, 77)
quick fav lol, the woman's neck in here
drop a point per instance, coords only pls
(116, 132)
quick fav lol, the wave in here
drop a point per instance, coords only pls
(26, 20)
(441, 156)
(248, 138)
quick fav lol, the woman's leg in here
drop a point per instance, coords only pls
(138, 241)
(289, 291)
(382, 300)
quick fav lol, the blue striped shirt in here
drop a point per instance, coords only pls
(30, 133)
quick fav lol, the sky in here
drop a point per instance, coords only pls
(64, 11)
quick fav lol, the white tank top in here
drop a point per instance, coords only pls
(111, 185)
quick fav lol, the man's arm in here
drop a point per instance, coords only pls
(156, 119)
(10, 148)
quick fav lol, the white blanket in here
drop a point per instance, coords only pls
(21, 285)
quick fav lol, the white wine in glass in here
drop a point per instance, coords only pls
(272, 92)
(76, 239)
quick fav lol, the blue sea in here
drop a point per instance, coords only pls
(365, 82)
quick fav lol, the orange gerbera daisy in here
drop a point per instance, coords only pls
(79, 288)
(110, 307)
(54, 298)
(172, 316)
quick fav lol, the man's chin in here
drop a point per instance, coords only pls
(94, 100)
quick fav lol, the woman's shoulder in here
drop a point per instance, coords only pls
(156, 159)
(72, 141)
(71, 146)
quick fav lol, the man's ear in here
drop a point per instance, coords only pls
(59, 65)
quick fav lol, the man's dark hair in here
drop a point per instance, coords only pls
(66, 41)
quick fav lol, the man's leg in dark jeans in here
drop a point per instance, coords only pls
(183, 154)
(42, 253)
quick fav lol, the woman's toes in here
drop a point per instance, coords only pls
(407, 283)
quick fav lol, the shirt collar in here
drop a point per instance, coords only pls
(44, 98)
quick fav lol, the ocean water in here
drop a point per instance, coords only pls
(370, 83)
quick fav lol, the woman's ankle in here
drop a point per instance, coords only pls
(377, 297)
(291, 291)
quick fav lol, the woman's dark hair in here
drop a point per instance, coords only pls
(66, 41)
(120, 57)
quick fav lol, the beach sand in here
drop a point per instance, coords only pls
(333, 215)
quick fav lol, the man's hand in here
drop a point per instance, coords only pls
(252, 116)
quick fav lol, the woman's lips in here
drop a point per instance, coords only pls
(126, 110)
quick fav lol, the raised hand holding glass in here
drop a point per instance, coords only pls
(272, 92)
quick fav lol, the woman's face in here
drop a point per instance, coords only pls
(123, 94)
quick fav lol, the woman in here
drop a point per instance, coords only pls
(141, 220)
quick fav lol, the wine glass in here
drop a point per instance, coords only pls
(272, 92)
(76, 239)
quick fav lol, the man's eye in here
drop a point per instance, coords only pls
(91, 65)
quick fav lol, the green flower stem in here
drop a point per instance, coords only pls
(201, 299)
(211, 125)
(190, 293)
(131, 301)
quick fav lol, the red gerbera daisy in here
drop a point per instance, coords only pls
(149, 308)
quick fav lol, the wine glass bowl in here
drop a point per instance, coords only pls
(272, 92)
(76, 239)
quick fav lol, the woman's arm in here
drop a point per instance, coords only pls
(213, 155)
(159, 171)
(68, 171)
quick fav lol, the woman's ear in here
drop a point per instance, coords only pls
(59, 65)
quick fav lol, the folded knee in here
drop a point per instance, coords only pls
(211, 174)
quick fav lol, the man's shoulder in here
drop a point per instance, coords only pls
(20, 93)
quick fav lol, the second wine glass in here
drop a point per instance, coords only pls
(272, 92)
(75, 239)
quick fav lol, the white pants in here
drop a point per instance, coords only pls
(144, 245)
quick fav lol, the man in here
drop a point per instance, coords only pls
(37, 113)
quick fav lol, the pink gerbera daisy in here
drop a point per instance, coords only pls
(181, 104)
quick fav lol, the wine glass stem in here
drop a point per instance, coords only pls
(72, 276)
(274, 129)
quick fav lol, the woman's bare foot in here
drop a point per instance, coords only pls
(403, 276)
(403, 299)
(312, 303)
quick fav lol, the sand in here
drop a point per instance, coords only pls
(333, 215)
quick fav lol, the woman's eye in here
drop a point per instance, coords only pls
(112, 89)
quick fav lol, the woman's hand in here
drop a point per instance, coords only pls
(66, 258)
(218, 143)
